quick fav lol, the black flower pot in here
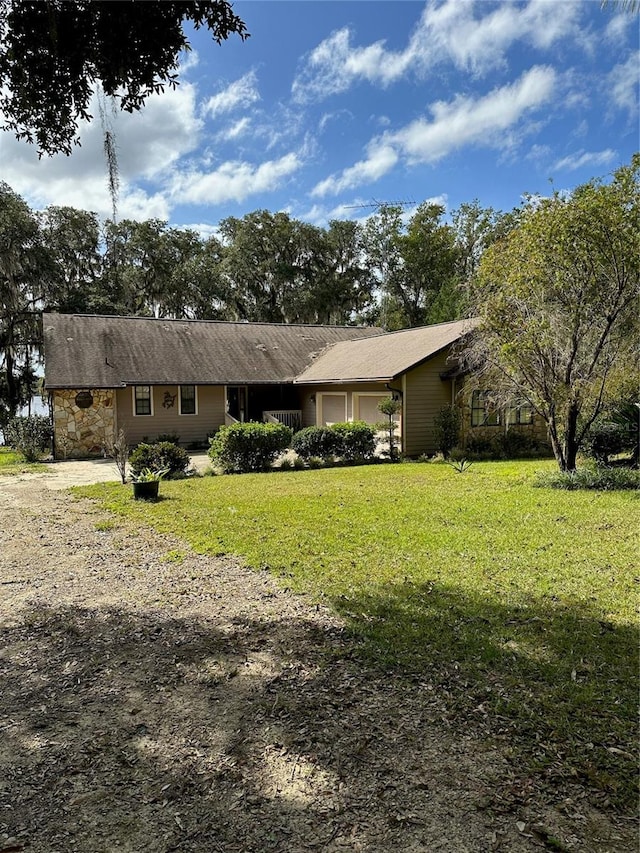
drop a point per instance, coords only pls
(146, 491)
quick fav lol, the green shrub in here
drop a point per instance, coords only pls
(478, 448)
(510, 445)
(596, 478)
(315, 441)
(240, 448)
(605, 439)
(356, 441)
(446, 428)
(163, 455)
(30, 436)
(518, 445)
(171, 437)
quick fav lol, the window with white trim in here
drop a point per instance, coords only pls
(188, 400)
(142, 400)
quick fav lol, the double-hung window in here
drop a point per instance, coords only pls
(142, 400)
(483, 412)
(188, 400)
(521, 412)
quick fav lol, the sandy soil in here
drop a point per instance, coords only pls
(155, 700)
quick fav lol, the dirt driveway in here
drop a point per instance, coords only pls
(155, 700)
(82, 472)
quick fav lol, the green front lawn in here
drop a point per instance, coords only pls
(11, 462)
(518, 603)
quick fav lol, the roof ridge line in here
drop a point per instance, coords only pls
(211, 322)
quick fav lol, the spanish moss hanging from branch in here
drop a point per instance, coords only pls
(110, 150)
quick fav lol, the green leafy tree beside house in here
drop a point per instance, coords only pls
(557, 302)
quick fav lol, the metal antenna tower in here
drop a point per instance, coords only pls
(378, 204)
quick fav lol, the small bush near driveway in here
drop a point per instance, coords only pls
(162, 456)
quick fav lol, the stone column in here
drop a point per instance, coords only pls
(83, 422)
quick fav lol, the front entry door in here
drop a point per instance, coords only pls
(237, 402)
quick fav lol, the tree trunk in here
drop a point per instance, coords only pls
(570, 439)
(12, 384)
(556, 444)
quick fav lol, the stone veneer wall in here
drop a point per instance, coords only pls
(83, 432)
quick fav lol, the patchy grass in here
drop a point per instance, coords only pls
(518, 603)
(12, 462)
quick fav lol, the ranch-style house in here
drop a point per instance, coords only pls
(151, 377)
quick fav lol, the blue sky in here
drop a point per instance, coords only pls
(333, 105)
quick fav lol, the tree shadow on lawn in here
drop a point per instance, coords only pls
(139, 730)
(558, 681)
(136, 730)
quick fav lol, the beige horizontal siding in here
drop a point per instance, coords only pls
(190, 428)
(424, 395)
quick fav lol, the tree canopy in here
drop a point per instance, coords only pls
(26, 274)
(52, 54)
(555, 285)
(557, 300)
(415, 266)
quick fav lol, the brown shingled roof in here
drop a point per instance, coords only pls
(86, 351)
(383, 357)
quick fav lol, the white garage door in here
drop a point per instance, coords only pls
(367, 409)
(334, 408)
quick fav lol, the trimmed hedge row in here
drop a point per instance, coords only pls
(352, 442)
(356, 441)
(240, 448)
(315, 442)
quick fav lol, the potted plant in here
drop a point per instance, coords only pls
(146, 484)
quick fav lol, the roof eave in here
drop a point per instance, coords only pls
(127, 383)
(343, 380)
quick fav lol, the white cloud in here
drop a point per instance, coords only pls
(232, 181)
(189, 59)
(622, 83)
(585, 158)
(581, 129)
(463, 33)
(241, 93)
(617, 27)
(236, 130)
(318, 214)
(381, 159)
(137, 204)
(204, 229)
(342, 116)
(493, 120)
(539, 154)
(149, 144)
(154, 140)
(466, 121)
